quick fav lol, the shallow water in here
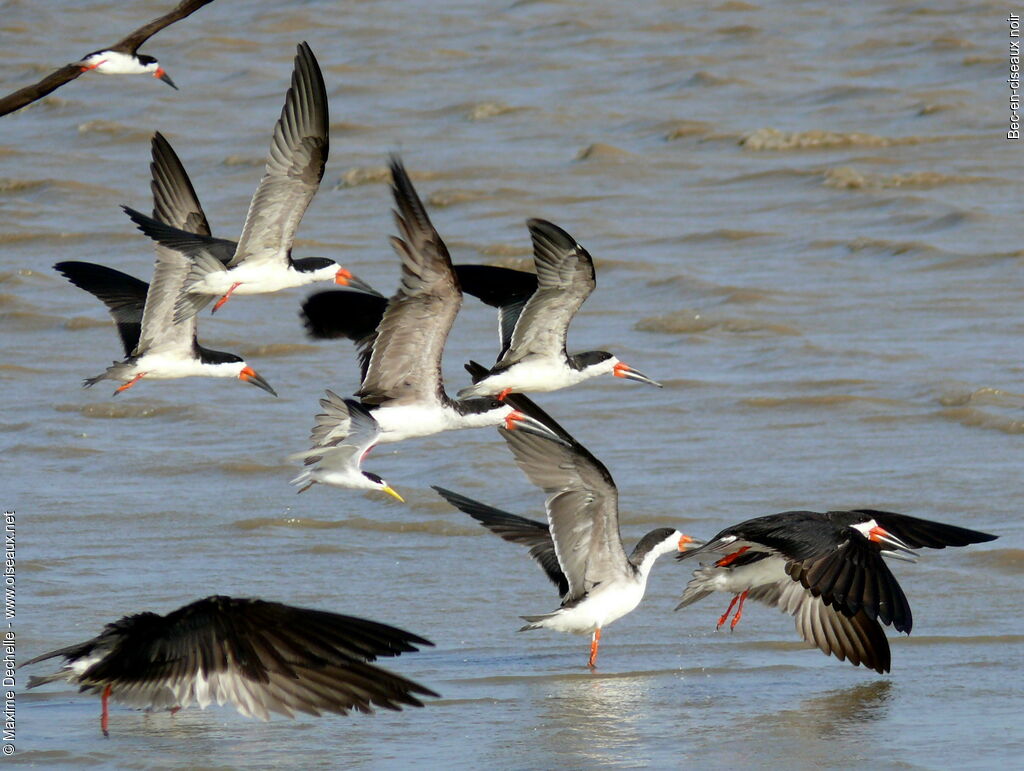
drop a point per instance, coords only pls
(806, 224)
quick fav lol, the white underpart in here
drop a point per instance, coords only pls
(351, 478)
(115, 63)
(409, 421)
(536, 373)
(736, 580)
(609, 601)
(260, 277)
(601, 607)
(169, 366)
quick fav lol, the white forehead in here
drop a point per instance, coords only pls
(865, 528)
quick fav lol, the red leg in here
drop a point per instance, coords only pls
(105, 717)
(595, 641)
(503, 394)
(226, 297)
(130, 383)
(739, 610)
(725, 615)
(728, 559)
(174, 710)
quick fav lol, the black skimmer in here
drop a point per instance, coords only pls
(156, 347)
(338, 461)
(261, 656)
(533, 355)
(120, 58)
(401, 340)
(114, 62)
(261, 260)
(579, 548)
(827, 571)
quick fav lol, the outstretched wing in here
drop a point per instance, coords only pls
(185, 8)
(298, 154)
(858, 638)
(174, 203)
(536, 536)
(502, 288)
(565, 278)
(124, 296)
(405, 366)
(582, 508)
(335, 313)
(261, 656)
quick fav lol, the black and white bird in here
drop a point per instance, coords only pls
(121, 58)
(262, 657)
(339, 463)
(579, 548)
(156, 347)
(533, 333)
(115, 62)
(827, 571)
(261, 261)
(401, 340)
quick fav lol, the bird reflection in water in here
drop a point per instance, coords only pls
(593, 721)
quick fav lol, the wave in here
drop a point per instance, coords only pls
(817, 139)
(690, 322)
(123, 409)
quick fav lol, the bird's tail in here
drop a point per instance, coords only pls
(37, 680)
(536, 622)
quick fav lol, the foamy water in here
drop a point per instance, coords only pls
(805, 221)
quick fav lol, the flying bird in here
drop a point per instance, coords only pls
(122, 58)
(339, 463)
(401, 340)
(156, 347)
(533, 333)
(260, 656)
(827, 571)
(579, 548)
(261, 261)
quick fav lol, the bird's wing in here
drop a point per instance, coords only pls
(175, 204)
(918, 533)
(405, 365)
(298, 153)
(124, 296)
(185, 8)
(346, 313)
(342, 435)
(261, 656)
(565, 278)
(858, 638)
(502, 288)
(834, 561)
(536, 536)
(192, 245)
(29, 94)
(174, 199)
(582, 508)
